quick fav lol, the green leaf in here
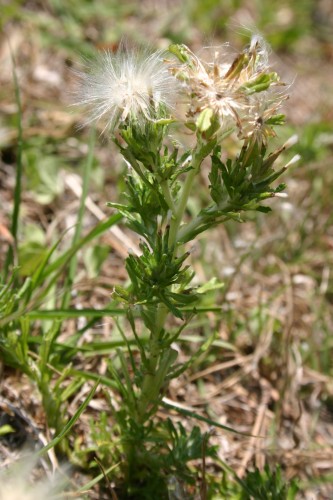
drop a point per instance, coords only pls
(196, 416)
(74, 313)
(276, 120)
(180, 51)
(86, 487)
(6, 429)
(202, 349)
(19, 168)
(261, 83)
(204, 120)
(71, 422)
(263, 209)
(212, 284)
(94, 233)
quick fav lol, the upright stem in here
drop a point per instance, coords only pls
(168, 196)
(180, 209)
(152, 382)
(150, 386)
(159, 358)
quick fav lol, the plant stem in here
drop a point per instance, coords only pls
(181, 207)
(154, 380)
(151, 385)
(161, 357)
(168, 196)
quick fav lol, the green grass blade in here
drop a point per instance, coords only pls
(86, 487)
(74, 313)
(19, 171)
(71, 422)
(94, 376)
(56, 268)
(77, 234)
(192, 414)
(94, 233)
(202, 349)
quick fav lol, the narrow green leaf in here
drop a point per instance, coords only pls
(85, 187)
(192, 414)
(86, 487)
(94, 233)
(74, 313)
(71, 422)
(19, 169)
(203, 348)
(180, 51)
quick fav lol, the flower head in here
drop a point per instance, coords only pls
(232, 91)
(126, 86)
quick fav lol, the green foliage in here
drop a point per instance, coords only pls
(267, 485)
(32, 252)
(154, 272)
(284, 23)
(186, 447)
(142, 208)
(237, 186)
(315, 142)
(159, 184)
(13, 344)
(155, 457)
(29, 346)
(242, 184)
(15, 348)
(43, 176)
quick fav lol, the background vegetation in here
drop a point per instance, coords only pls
(269, 370)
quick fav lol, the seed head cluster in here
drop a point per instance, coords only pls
(139, 86)
(241, 94)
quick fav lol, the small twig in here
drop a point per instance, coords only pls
(256, 430)
(113, 495)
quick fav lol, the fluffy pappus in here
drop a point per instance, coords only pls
(126, 86)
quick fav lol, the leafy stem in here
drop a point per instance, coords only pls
(178, 213)
(168, 197)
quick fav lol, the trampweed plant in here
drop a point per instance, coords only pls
(141, 98)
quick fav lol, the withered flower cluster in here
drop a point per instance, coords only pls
(244, 95)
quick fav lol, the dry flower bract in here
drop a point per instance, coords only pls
(240, 94)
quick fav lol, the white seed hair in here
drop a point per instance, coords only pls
(16, 482)
(125, 85)
(218, 85)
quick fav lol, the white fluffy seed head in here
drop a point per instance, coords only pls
(17, 482)
(126, 86)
